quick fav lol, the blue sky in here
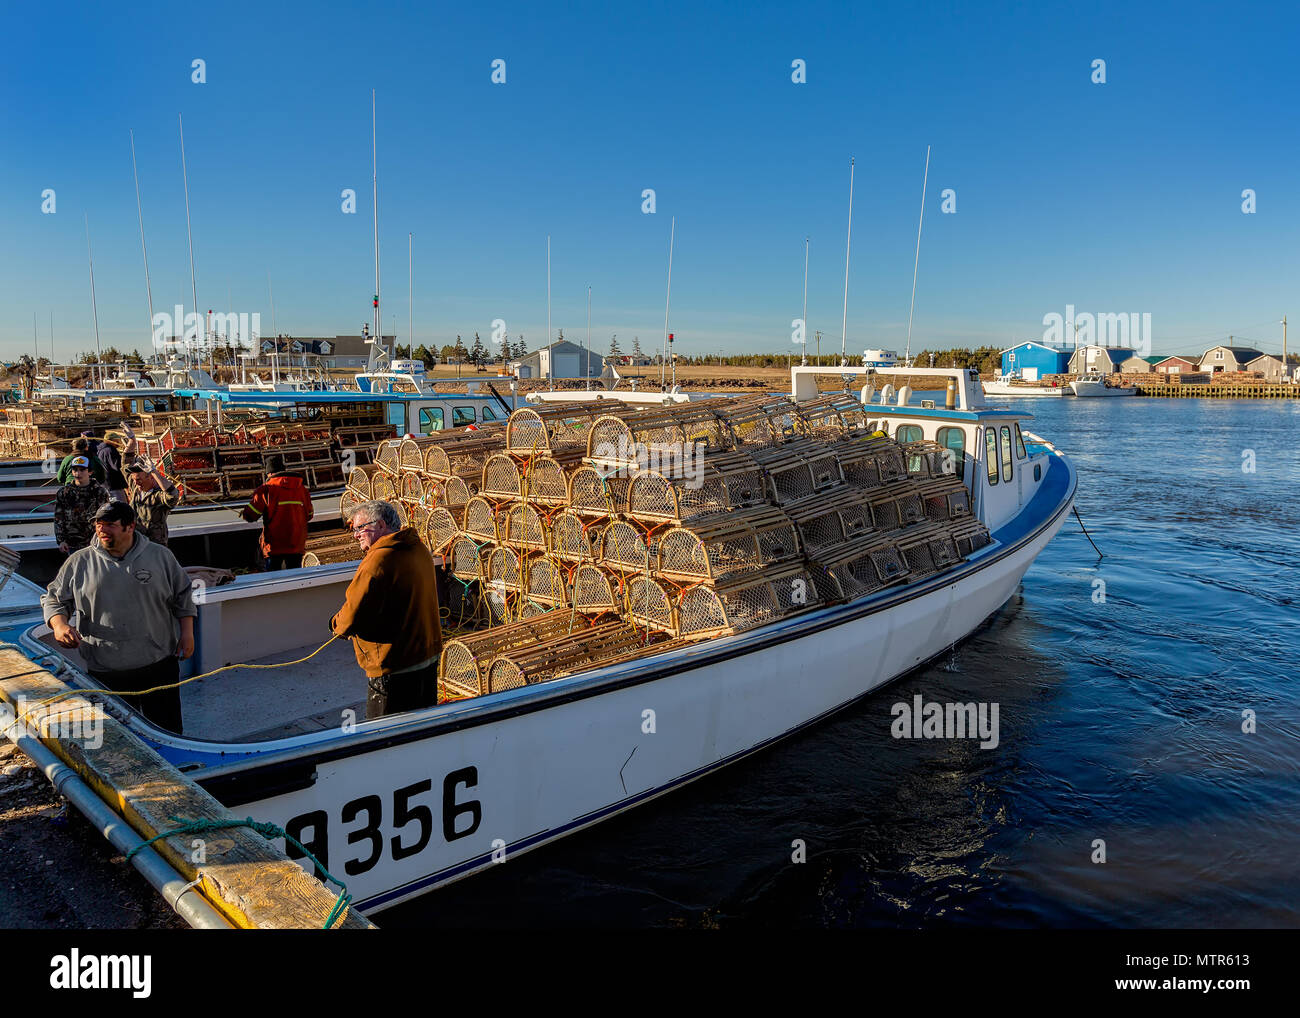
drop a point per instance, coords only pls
(1115, 197)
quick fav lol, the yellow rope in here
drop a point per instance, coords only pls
(171, 685)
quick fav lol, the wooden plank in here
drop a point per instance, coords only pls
(245, 877)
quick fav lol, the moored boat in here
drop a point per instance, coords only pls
(406, 803)
(1096, 385)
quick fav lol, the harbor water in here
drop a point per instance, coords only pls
(1147, 766)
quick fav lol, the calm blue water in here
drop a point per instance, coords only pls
(1119, 721)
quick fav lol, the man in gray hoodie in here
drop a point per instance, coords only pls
(136, 613)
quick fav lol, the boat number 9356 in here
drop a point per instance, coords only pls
(410, 823)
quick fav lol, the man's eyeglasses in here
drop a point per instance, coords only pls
(364, 526)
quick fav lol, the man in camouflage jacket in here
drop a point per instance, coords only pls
(74, 508)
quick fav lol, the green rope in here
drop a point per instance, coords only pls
(268, 831)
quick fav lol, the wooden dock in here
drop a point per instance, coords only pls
(242, 875)
(1236, 390)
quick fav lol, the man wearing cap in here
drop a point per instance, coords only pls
(135, 613)
(74, 507)
(80, 447)
(152, 496)
(111, 457)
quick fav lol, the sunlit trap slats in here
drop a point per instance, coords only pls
(924, 459)
(650, 604)
(546, 478)
(594, 590)
(349, 500)
(388, 456)
(832, 416)
(861, 567)
(623, 549)
(547, 583)
(523, 528)
(410, 487)
(746, 601)
(502, 480)
(442, 526)
(928, 549)
(359, 478)
(596, 493)
(410, 451)
(463, 666)
(572, 538)
(551, 429)
(826, 520)
(714, 482)
(504, 568)
(482, 521)
(383, 486)
(465, 557)
(759, 422)
(561, 655)
(715, 547)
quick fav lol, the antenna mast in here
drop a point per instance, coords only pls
(844, 323)
(672, 235)
(374, 183)
(804, 320)
(188, 231)
(148, 287)
(99, 354)
(907, 356)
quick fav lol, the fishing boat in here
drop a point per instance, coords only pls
(407, 803)
(1014, 385)
(1093, 384)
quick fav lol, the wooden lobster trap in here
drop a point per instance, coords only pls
(442, 526)
(501, 479)
(410, 487)
(464, 454)
(745, 601)
(924, 458)
(799, 469)
(759, 422)
(239, 456)
(243, 481)
(202, 482)
(464, 558)
(944, 498)
(462, 670)
(970, 536)
(349, 500)
(713, 548)
(595, 591)
(561, 655)
(553, 429)
(547, 583)
(450, 491)
(359, 478)
(827, 520)
(597, 493)
(858, 568)
(651, 604)
(546, 478)
(871, 462)
(927, 550)
(573, 539)
(623, 549)
(656, 437)
(522, 527)
(896, 506)
(506, 568)
(410, 451)
(481, 520)
(388, 456)
(714, 483)
(832, 416)
(384, 486)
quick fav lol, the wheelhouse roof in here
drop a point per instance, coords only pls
(289, 398)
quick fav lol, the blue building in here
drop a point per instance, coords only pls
(1032, 361)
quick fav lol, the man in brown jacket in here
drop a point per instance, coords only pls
(391, 613)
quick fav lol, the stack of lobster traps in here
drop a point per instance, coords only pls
(587, 533)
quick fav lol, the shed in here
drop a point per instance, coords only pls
(1034, 360)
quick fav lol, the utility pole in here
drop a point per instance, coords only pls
(1286, 368)
(819, 347)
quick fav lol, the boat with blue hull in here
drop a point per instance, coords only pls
(406, 803)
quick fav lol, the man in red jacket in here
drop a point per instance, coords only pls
(283, 504)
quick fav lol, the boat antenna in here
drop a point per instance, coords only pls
(148, 287)
(189, 232)
(549, 373)
(94, 306)
(374, 184)
(410, 305)
(803, 322)
(844, 322)
(586, 348)
(907, 355)
(672, 235)
(271, 295)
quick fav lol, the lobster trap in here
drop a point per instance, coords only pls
(927, 550)
(594, 591)
(895, 507)
(799, 469)
(650, 604)
(561, 655)
(462, 670)
(831, 417)
(859, 568)
(523, 528)
(924, 459)
(546, 583)
(745, 601)
(624, 550)
(480, 520)
(598, 493)
(441, 527)
(713, 548)
(759, 422)
(870, 463)
(552, 429)
(827, 520)
(970, 536)
(715, 482)
(572, 539)
(944, 498)
(359, 478)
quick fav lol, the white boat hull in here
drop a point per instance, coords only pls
(1027, 391)
(421, 801)
(1081, 387)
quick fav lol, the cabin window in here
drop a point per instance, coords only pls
(489, 413)
(1020, 444)
(430, 420)
(461, 416)
(991, 453)
(954, 439)
(907, 433)
(1006, 453)
(397, 416)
